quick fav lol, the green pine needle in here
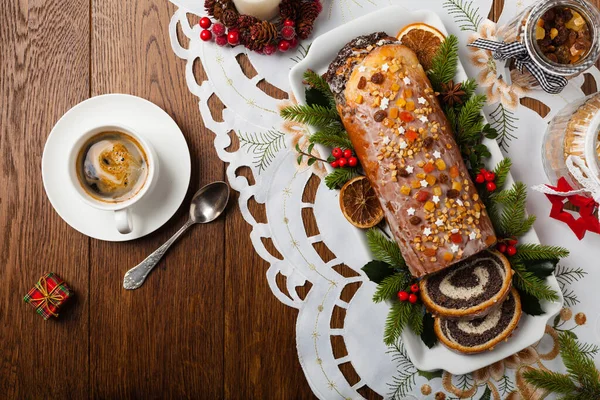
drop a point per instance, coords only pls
(397, 319)
(531, 284)
(502, 170)
(581, 381)
(385, 250)
(469, 123)
(318, 82)
(390, 286)
(339, 177)
(444, 63)
(332, 136)
(315, 115)
(551, 381)
(513, 220)
(534, 252)
(416, 320)
(469, 87)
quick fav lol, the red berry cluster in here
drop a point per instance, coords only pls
(403, 295)
(232, 36)
(343, 158)
(487, 177)
(507, 246)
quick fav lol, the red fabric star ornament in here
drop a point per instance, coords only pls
(587, 221)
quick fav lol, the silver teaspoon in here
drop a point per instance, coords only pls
(207, 205)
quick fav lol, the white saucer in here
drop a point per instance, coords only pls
(157, 127)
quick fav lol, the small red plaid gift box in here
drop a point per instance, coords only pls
(48, 294)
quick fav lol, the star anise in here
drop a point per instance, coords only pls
(452, 93)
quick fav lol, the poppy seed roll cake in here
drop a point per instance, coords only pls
(470, 289)
(477, 335)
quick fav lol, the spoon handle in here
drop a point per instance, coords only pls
(135, 277)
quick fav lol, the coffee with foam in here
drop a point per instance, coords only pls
(112, 167)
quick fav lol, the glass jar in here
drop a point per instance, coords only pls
(523, 29)
(573, 131)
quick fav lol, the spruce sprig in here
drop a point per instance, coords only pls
(529, 283)
(502, 170)
(316, 115)
(512, 221)
(581, 381)
(397, 319)
(469, 123)
(536, 252)
(384, 249)
(444, 63)
(332, 136)
(390, 286)
(319, 83)
(338, 177)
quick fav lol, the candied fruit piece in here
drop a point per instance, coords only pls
(454, 172)
(429, 206)
(430, 180)
(410, 105)
(401, 103)
(393, 113)
(437, 191)
(456, 238)
(422, 196)
(440, 164)
(448, 256)
(405, 190)
(456, 186)
(411, 135)
(428, 168)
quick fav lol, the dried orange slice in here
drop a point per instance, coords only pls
(423, 39)
(360, 204)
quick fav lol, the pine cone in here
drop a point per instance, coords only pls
(246, 21)
(263, 33)
(230, 18)
(288, 9)
(304, 28)
(217, 11)
(309, 10)
(209, 5)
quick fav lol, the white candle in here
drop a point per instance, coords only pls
(261, 9)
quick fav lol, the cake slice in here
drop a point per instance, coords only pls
(477, 335)
(470, 289)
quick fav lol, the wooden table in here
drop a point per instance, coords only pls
(205, 324)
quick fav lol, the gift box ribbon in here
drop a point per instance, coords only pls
(47, 298)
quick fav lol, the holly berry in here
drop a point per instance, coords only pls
(288, 32)
(501, 247)
(293, 42)
(335, 164)
(490, 186)
(221, 41)
(206, 35)
(343, 162)
(284, 45)
(414, 288)
(352, 162)
(269, 49)
(489, 176)
(218, 29)
(347, 153)
(511, 242)
(205, 22)
(412, 298)
(482, 171)
(511, 250)
(233, 38)
(403, 296)
(337, 152)
(289, 22)
(479, 178)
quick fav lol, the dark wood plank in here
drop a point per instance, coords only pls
(164, 340)
(44, 72)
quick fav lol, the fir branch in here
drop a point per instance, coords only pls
(588, 349)
(316, 81)
(502, 170)
(551, 381)
(332, 136)
(579, 366)
(531, 284)
(444, 63)
(470, 119)
(315, 115)
(339, 177)
(568, 275)
(397, 319)
(390, 286)
(416, 319)
(402, 383)
(504, 122)
(469, 86)
(535, 252)
(385, 250)
(513, 220)
(464, 13)
(264, 146)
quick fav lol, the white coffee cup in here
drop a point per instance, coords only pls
(121, 209)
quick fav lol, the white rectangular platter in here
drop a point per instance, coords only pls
(322, 51)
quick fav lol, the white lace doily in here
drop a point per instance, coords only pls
(339, 290)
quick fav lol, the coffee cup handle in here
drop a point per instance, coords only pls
(123, 220)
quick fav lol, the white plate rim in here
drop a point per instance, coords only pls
(450, 361)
